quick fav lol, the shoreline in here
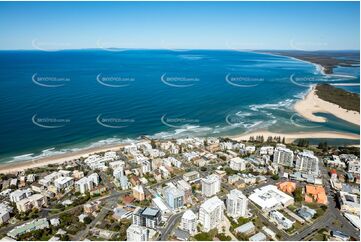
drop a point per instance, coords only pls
(56, 159)
(311, 104)
(19, 166)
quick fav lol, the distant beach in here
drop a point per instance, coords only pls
(312, 104)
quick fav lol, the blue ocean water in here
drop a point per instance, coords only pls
(52, 102)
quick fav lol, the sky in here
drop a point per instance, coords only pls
(180, 25)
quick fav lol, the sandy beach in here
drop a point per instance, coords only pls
(312, 104)
(289, 137)
(56, 159)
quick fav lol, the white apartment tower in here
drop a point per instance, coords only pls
(211, 213)
(283, 156)
(237, 204)
(307, 162)
(211, 185)
(189, 222)
(137, 233)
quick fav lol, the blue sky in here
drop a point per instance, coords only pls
(189, 25)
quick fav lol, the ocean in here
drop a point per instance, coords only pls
(54, 102)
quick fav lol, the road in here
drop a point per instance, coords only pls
(331, 215)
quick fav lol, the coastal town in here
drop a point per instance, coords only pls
(259, 189)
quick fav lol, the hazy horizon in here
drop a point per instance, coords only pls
(307, 26)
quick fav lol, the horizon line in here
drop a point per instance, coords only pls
(171, 49)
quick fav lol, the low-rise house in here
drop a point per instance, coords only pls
(258, 237)
(306, 213)
(281, 220)
(36, 224)
(191, 176)
(315, 194)
(247, 228)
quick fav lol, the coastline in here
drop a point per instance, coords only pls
(56, 159)
(14, 167)
(311, 104)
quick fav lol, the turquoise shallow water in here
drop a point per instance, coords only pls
(53, 102)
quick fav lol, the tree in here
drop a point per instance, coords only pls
(87, 220)
(298, 194)
(283, 140)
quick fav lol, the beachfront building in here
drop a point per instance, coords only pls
(211, 213)
(174, 197)
(283, 156)
(34, 201)
(189, 222)
(237, 204)
(237, 164)
(306, 162)
(211, 185)
(87, 184)
(269, 197)
(137, 233)
(64, 183)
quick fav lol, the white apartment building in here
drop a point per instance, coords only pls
(308, 163)
(237, 164)
(237, 204)
(63, 182)
(211, 213)
(146, 166)
(189, 222)
(5, 211)
(18, 195)
(354, 166)
(87, 184)
(34, 201)
(137, 233)
(211, 185)
(283, 156)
